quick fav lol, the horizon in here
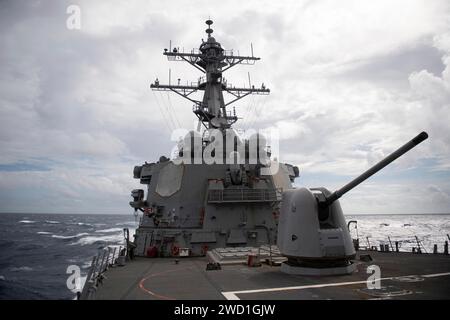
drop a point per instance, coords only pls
(132, 215)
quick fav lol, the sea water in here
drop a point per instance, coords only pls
(37, 249)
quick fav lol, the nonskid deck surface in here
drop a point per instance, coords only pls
(422, 276)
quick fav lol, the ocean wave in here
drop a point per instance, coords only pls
(110, 230)
(403, 229)
(52, 221)
(70, 237)
(27, 221)
(83, 224)
(43, 232)
(17, 269)
(2, 278)
(113, 239)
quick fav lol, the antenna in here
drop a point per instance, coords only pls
(212, 60)
(209, 30)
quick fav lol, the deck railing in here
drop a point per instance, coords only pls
(99, 265)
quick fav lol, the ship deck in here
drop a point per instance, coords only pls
(403, 276)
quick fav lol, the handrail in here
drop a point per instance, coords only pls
(107, 258)
(407, 243)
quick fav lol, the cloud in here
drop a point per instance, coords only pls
(349, 84)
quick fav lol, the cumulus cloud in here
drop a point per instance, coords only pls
(349, 84)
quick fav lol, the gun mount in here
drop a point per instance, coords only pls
(312, 231)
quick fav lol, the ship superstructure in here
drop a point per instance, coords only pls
(195, 204)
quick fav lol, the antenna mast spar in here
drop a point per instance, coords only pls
(212, 60)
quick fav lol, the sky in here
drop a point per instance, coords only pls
(350, 82)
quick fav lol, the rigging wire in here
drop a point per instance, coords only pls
(257, 110)
(260, 109)
(251, 116)
(173, 110)
(166, 107)
(248, 109)
(247, 112)
(166, 122)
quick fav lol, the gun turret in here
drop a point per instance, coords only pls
(312, 232)
(377, 167)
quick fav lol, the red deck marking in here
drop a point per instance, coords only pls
(159, 296)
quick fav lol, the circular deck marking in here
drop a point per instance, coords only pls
(386, 292)
(408, 279)
(159, 296)
(146, 290)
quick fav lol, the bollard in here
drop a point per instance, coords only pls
(446, 247)
(435, 249)
(396, 246)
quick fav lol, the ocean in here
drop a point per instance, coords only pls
(36, 249)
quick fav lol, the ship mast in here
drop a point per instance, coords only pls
(212, 60)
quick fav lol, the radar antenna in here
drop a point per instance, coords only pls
(212, 60)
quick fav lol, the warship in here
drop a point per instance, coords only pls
(222, 219)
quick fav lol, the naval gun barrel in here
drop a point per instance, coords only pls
(377, 167)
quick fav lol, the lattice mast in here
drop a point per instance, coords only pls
(212, 60)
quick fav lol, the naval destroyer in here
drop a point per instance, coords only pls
(221, 218)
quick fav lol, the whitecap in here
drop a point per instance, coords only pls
(70, 237)
(44, 232)
(110, 230)
(27, 221)
(51, 221)
(114, 239)
(25, 268)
